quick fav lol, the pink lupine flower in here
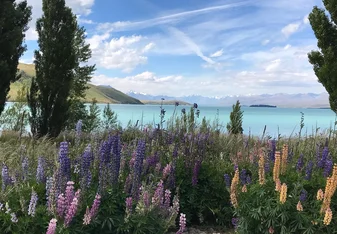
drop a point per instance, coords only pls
(146, 199)
(167, 170)
(71, 212)
(157, 198)
(167, 198)
(87, 217)
(52, 227)
(128, 203)
(182, 223)
(95, 206)
(69, 192)
(61, 205)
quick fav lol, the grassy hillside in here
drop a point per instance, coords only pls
(101, 94)
(117, 95)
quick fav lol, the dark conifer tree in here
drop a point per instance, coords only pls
(14, 18)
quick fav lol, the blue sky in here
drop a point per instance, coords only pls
(210, 48)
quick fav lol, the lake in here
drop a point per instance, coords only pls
(282, 120)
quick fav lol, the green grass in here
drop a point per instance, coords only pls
(118, 95)
(101, 94)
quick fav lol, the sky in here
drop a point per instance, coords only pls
(211, 48)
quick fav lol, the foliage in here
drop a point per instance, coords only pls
(14, 18)
(16, 117)
(324, 60)
(109, 120)
(92, 121)
(60, 79)
(235, 124)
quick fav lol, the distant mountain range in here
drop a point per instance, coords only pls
(305, 100)
(103, 94)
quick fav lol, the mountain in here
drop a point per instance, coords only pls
(300, 100)
(103, 94)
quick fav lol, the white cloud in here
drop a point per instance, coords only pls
(124, 53)
(306, 19)
(265, 42)
(290, 29)
(185, 39)
(273, 65)
(166, 19)
(216, 54)
(78, 7)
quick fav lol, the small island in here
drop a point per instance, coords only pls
(262, 105)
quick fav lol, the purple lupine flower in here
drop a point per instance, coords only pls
(227, 180)
(235, 222)
(104, 159)
(138, 168)
(248, 179)
(49, 185)
(14, 219)
(128, 204)
(308, 170)
(325, 154)
(152, 160)
(236, 167)
(128, 184)
(196, 170)
(183, 111)
(95, 206)
(51, 227)
(61, 205)
(24, 165)
(64, 160)
(195, 106)
(272, 150)
(32, 204)
(300, 163)
(78, 127)
(116, 158)
(6, 180)
(267, 167)
(146, 199)
(167, 198)
(182, 223)
(85, 172)
(71, 211)
(303, 195)
(69, 194)
(157, 198)
(176, 103)
(327, 167)
(243, 176)
(40, 177)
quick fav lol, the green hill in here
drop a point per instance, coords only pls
(102, 94)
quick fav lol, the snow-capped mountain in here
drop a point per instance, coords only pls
(306, 100)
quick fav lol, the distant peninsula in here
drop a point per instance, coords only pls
(165, 102)
(261, 105)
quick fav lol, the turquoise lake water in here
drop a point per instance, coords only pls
(287, 120)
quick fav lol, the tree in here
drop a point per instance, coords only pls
(14, 18)
(324, 60)
(92, 122)
(235, 124)
(109, 120)
(60, 80)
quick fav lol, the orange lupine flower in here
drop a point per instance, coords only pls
(299, 206)
(276, 170)
(283, 194)
(284, 159)
(261, 170)
(327, 216)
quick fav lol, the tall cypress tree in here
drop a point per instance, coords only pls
(14, 18)
(324, 60)
(60, 79)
